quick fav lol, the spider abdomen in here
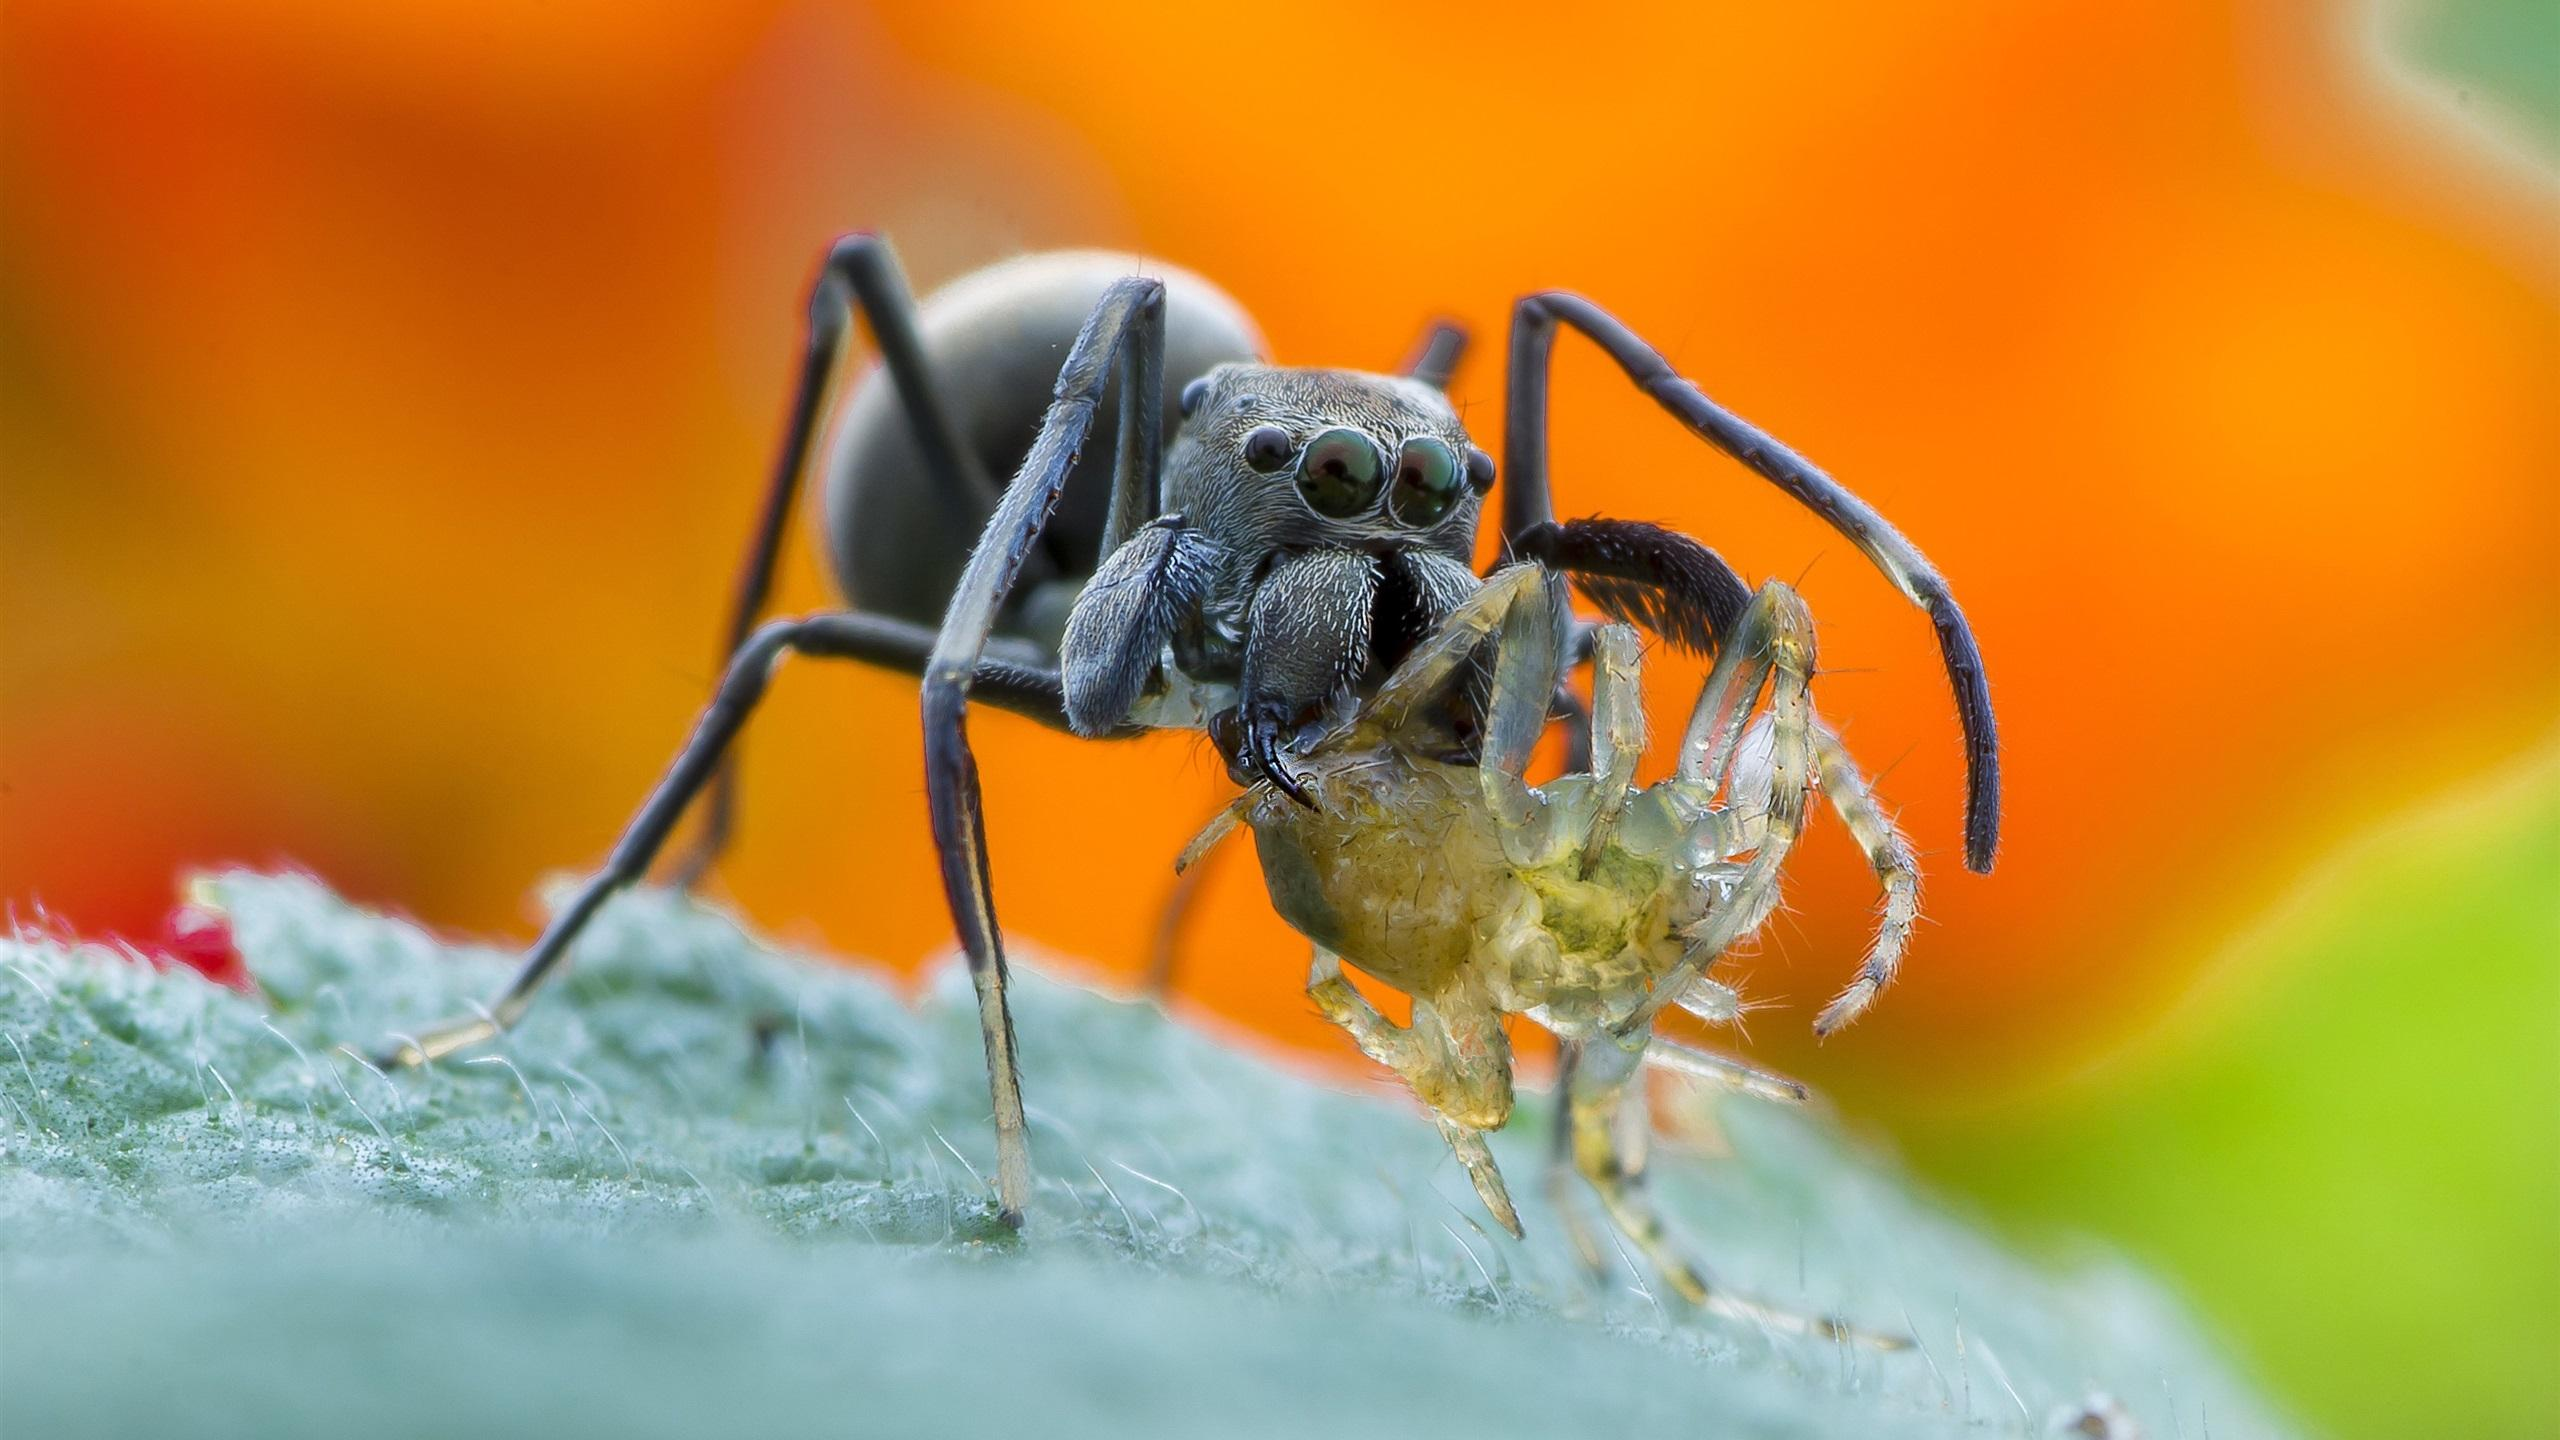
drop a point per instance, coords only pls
(995, 338)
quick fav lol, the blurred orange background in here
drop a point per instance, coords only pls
(389, 387)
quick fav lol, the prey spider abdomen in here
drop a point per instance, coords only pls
(1194, 538)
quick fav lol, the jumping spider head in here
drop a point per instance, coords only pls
(1318, 523)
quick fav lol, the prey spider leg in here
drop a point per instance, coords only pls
(1772, 646)
(1897, 872)
(1526, 505)
(1561, 1171)
(1465, 1073)
(1609, 1142)
(1609, 1137)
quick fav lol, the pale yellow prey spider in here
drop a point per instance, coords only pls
(1585, 903)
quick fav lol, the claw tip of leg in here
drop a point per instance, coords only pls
(1837, 1015)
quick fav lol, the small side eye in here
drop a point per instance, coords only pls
(1341, 473)
(1426, 483)
(1479, 470)
(1267, 448)
(1193, 394)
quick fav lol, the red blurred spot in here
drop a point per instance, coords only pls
(198, 938)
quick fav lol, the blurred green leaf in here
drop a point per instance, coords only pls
(2506, 53)
(2346, 1147)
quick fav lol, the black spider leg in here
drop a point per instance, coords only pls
(1434, 358)
(859, 275)
(877, 639)
(1125, 333)
(1526, 504)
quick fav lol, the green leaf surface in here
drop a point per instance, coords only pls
(711, 1190)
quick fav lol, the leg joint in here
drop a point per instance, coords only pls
(753, 663)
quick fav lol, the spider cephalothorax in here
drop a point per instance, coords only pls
(1317, 523)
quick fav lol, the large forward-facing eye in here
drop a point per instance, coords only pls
(1340, 473)
(1427, 482)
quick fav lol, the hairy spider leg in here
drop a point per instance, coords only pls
(1454, 1057)
(1897, 871)
(1617, 731)
(1723, 1071)
(1434, 663)
(1562, 1175)
(1527, 661)
(1466, 1065)
(1772, 645)
(1527, 505)
(1610, 1139)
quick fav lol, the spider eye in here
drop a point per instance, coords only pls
(1193, 394)
(1340, 473)
(1426, 483)
(1267, 448)
(1479, 470)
